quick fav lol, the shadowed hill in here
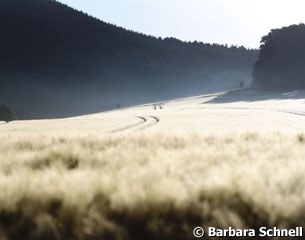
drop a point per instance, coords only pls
(282, 59)
(56, 61)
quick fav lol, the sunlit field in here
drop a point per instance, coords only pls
(226, 160)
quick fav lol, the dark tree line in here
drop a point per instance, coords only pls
(56, 60)
(281, 63)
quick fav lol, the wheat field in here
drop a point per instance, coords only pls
(229, 159)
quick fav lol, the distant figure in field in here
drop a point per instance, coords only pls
(241, 84)
(156, 106)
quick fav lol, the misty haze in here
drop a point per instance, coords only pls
(133, 120)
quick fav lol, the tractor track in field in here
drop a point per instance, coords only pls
(145, 123)
(150, 122)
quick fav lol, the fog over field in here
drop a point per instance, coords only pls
(232, 111)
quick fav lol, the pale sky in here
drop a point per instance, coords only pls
(232, 22)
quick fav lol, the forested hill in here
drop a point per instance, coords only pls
(281, 63)
(56, 61)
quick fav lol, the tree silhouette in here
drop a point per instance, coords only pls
(7, 114)
(282, 59)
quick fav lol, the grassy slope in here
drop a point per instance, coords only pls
(237, 164)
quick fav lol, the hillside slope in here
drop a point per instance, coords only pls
(225, 112)
(56, 61)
